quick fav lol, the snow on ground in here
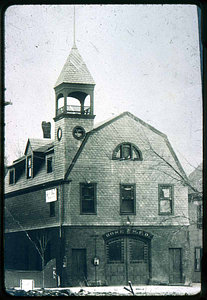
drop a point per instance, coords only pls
(143, 290)
(111, 291)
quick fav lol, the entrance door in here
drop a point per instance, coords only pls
(175, 265)
(78, 267)
(127, 260)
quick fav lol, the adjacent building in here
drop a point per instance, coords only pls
(195, 206)
(106, 201)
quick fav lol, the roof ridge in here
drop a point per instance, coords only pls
(107, 122)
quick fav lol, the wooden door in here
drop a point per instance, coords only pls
(116, 268)
(78, 267)
(127, 260)
(137, 261)
(175, 265)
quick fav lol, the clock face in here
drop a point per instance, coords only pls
(79, 132)
(59, 134)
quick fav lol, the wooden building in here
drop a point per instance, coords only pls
(195, 207)
(107, 198)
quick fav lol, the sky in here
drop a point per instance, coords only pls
(145, 59)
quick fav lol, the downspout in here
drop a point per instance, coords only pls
(61, 195)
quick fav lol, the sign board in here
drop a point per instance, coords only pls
(51, 195)
(127, 231)
(27, 284)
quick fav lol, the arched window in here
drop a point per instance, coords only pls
(127, 151)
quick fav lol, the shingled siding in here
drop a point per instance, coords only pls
(30, 210)
(39, 177)
(163, 239)
(95, 164)
(66, 148)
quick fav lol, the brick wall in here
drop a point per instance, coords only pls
(163, 239)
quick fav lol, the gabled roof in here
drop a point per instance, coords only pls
(111, 120)
(39, 145)
(75, 70)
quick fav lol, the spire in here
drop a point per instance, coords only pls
(75, 70)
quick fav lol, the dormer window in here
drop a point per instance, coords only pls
(49, 164)
(29, 167)
(126, 151)
(12, 176)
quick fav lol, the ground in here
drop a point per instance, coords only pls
(111, 291)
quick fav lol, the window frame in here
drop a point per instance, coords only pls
(13, 180)
(29, 167)
(122, 251)
(195, 259)
(134, 198)
(120, 147)
(172, 200)
(52, 163)
(82, 184)
(52, 209)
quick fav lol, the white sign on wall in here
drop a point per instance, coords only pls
(51, 195)
(27, 284)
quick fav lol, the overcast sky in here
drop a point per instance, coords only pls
(144, 59)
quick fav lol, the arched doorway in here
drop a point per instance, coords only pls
(127, 259)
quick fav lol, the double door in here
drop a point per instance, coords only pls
(127, 260)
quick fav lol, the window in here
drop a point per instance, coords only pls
(115, 251)
(127, 195)
(29, 167)
(198, 255)
(165, 199)
(11, 176)
(49, 164)
(127, 151)
(88, 198)
(199, 216)
(137, 251)
(52, 209)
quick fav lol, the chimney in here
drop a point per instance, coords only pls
(46, 127)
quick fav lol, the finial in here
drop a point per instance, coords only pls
(74, 45)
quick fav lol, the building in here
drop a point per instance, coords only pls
(104, 201)
(195, 207)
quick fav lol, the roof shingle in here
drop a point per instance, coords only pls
(75, 70)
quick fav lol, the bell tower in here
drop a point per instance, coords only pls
(74, 108)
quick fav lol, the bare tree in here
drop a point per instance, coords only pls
(42, 241)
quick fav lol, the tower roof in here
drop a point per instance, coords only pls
(75, 70)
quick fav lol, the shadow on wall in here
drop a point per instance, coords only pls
(12, 278)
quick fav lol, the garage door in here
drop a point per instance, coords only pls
(127, 259)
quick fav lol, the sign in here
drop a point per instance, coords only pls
(51, 195)
(127, 231)
(27, 284)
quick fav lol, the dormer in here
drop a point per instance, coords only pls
(39, 155)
